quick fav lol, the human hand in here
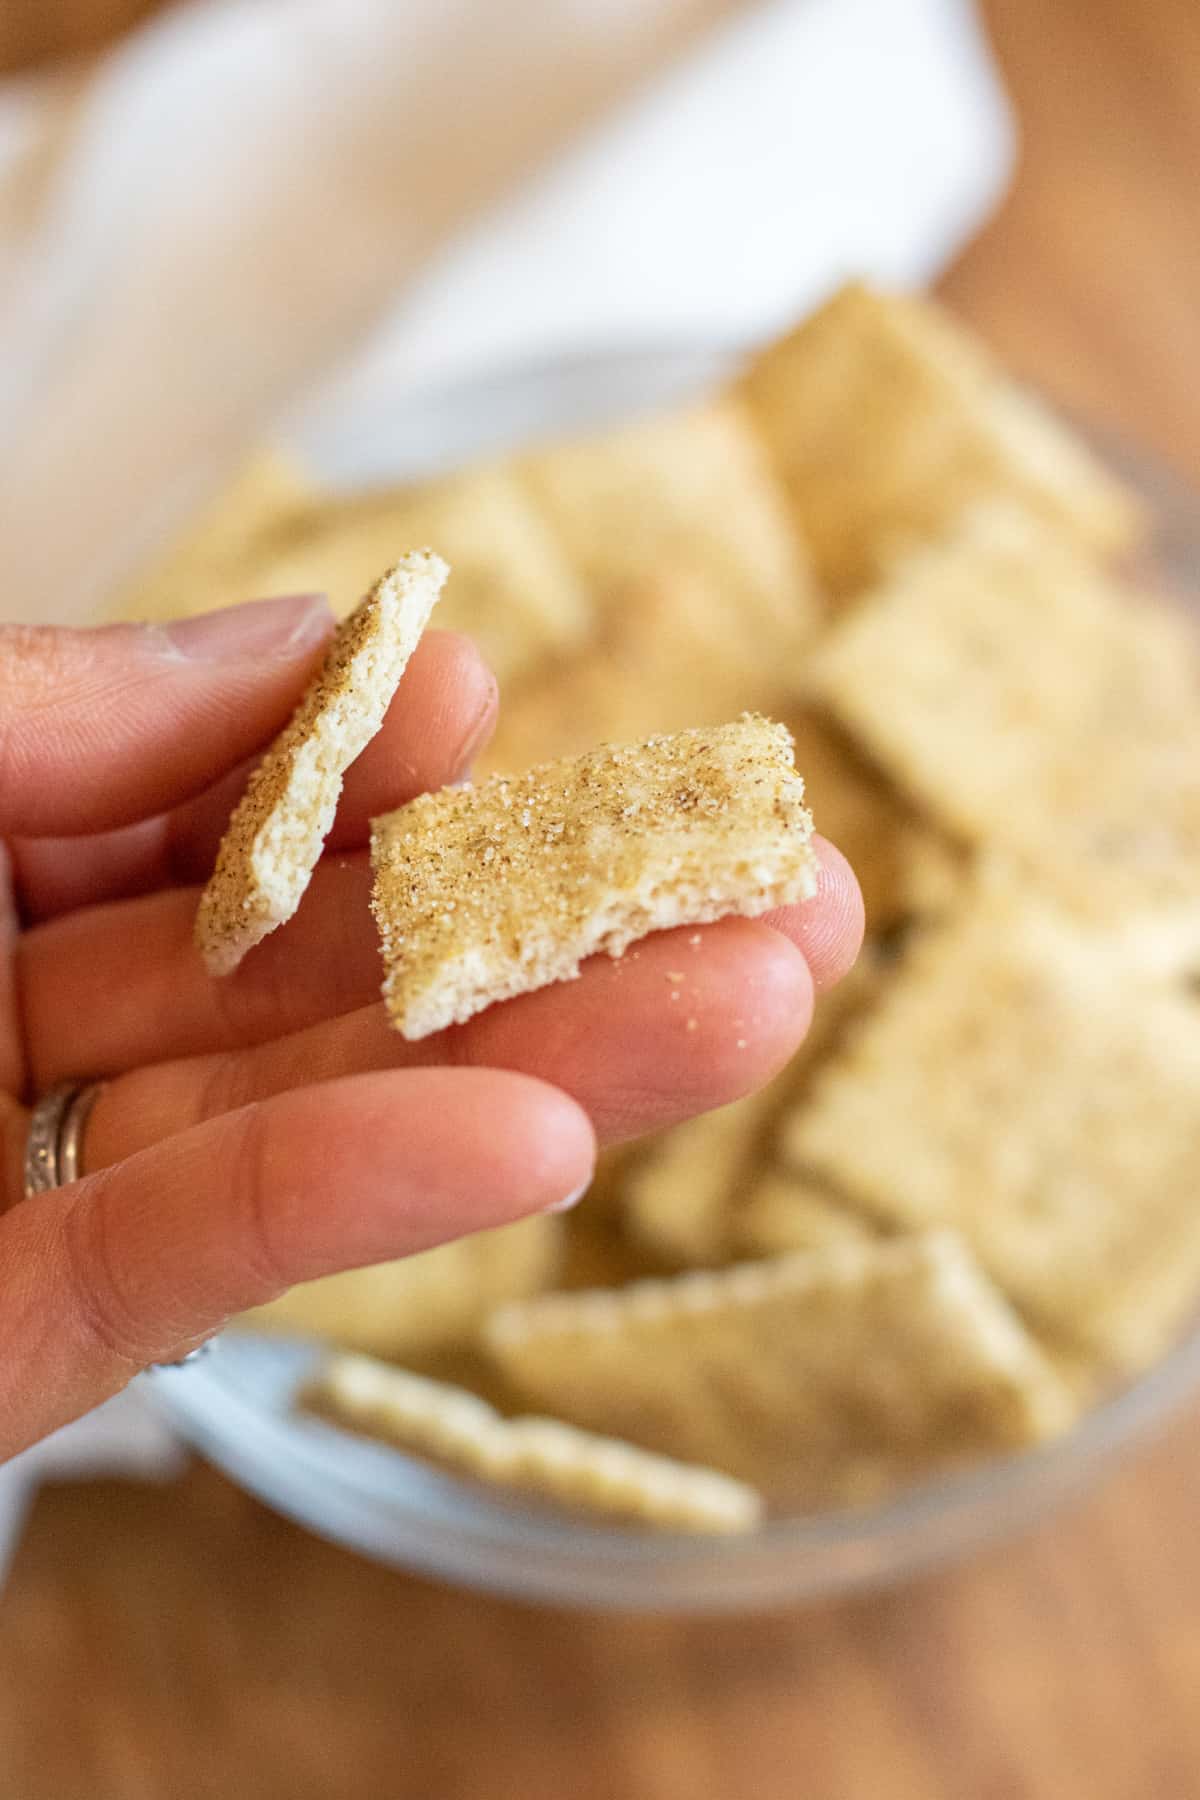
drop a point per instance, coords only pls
(271, 1128)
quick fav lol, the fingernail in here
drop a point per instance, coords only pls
(284, 627)
(572, 1199)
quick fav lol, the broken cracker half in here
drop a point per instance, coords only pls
(885, 419)
(823, 1377)
(277, 831)
(419, 1304)
(1012, 1083)
(541, 1457)
(482, 893)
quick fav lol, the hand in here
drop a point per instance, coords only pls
(271, 1128)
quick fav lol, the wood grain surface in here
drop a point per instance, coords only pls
(184, 1643)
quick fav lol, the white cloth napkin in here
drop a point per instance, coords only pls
(264, 213)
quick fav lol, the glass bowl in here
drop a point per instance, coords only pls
(234, 1404)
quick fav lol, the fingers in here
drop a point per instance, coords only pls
(119, 986)
(685, 1021)
(145, 1259)
(441, 718)
(99, 728)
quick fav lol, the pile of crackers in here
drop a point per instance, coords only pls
(969, 1208)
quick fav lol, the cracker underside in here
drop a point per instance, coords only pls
(275, 836)
(541, 1457)
(819, 1377)
(482, 893)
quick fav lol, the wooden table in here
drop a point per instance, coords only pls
(181, 1643)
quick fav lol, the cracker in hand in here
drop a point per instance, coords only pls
(275, 837)
(482, 893)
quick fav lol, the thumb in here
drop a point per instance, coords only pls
(102, 727)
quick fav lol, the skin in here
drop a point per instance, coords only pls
(270, 1128)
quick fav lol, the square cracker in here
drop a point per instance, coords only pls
(542, 1457)
(885, 419)
(514, 590)
(274, 839)
(485, 892)
(201, 567)
(692, 490)
(1013, 1084)
(820, 1377)
(419, 1304)
(1030, 704)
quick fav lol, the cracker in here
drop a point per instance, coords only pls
(1027, 702)
(691, 490)
(420, 1304)
(684, 1196)
(823, 1376)
(274, 839)
(202, 566)
(885, 419)
(782, 1212)
(485, 892)
(1013, 1083)
(675, 653)
(514, 590)
(541, 1457)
